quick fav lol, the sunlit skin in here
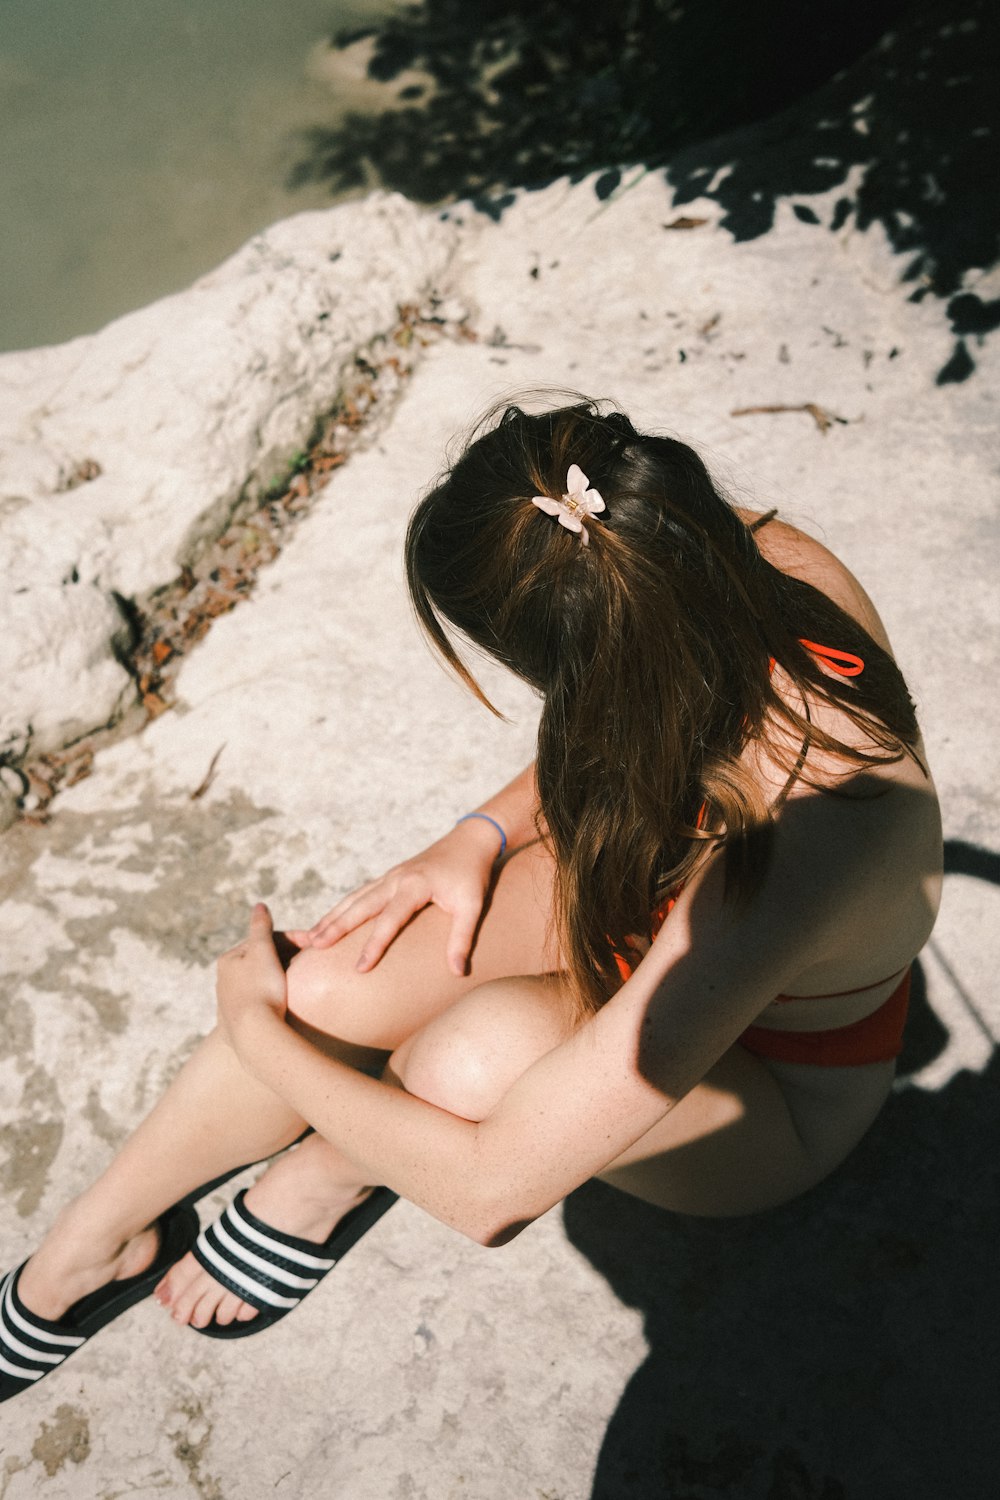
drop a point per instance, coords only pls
(494, 1100)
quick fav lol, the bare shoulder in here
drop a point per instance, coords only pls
(794, 552)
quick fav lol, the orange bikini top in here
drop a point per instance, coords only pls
(845, 663)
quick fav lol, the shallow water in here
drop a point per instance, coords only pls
(143, 141)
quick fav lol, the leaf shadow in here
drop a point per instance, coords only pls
(749, 106)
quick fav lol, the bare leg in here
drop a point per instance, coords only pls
(215, 1116)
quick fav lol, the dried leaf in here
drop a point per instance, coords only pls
(215, 604)
(162, 651)
(82, 769)
(59, 758)
(81, 473)
(685, 222)
(41, 787)
(328, 461)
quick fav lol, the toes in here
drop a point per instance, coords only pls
(184, 1303)
(205, 1308)
(177, 1281)
(193, 1297)
(226, 1310)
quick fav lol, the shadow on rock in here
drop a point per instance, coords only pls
(837, 1348)
(914, 123)
(520, 92)
(517, 92)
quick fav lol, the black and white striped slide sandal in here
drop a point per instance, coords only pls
(271, 1270)
(32, 1347)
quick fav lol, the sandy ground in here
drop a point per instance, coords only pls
(838, 1347)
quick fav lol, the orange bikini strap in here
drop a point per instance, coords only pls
(843, 662)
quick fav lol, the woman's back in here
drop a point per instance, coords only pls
(871, 843)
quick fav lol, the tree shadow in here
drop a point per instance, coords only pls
(516, 93)
(915, 122)
(837, 1348)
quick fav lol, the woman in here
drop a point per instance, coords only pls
(725, 737)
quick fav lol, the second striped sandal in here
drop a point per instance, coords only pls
(269, 1269)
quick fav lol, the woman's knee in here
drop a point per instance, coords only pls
(316, 979)
(467, 1058)
(326, 1003)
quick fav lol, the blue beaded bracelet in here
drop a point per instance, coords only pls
(487, 819)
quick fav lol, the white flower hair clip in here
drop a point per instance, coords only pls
(578, 501)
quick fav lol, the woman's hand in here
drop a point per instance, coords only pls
(250, 979)
(455, 874)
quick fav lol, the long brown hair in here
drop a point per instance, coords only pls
(651, 648)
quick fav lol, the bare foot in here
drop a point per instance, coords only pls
(74, 1260)
(297, 1195)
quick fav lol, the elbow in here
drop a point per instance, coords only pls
(504, 1233)
(498, 1200)
(495, 1219)
(493, 1232)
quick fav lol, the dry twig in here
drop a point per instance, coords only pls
(209, 776)
(823, 419)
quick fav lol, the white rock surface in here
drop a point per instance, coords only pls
(57, 661)
(185, 407)
(425, 1368)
